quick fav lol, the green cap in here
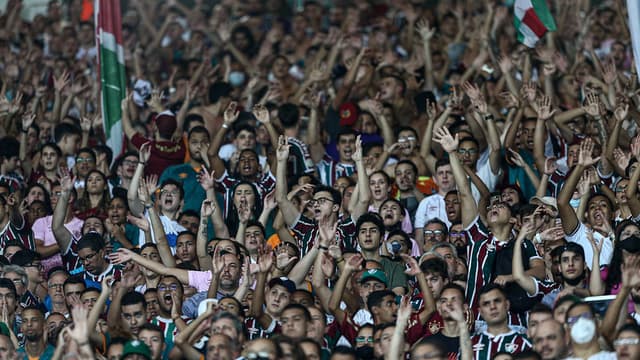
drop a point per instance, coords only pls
(4, 329)
(136, 347)
(374, 274)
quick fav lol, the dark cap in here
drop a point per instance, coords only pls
(285, 282)
(24, 257)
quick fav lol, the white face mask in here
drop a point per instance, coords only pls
(583, 330)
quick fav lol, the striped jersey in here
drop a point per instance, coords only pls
(169, 330)
(300, 161)
(330, 170)
(265, 184)
(306, 231)
(486, 345)
(22, 234)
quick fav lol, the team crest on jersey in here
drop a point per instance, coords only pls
(434, 327)
(491, 247)
(478, 347)
(511, 347)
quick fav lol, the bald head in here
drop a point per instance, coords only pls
(549, 340)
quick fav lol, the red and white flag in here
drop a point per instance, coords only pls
(532, 20)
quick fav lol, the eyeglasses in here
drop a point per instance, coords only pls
(128, 162)
(467, 151)
(621, 342)
(320, 201)
(35, 265)
(88, 257)
(56, 286)
(433, 232)
(364, 339)
(496, 206)
(172, 192)
(81, 160)
(573, 319)
(456, 234)
(17, 281)
(171, 287)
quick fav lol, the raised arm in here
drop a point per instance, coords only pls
(364, 191)
(231, 114)
(544, 111)
(527, 282)
(127, 127)
(450, 145)
(596, 285)
(567, 214)
(124, 255)
(632, 188)
(181, 338)
(262, 115)
(265, 262)
(353, 265)
(147, 187)
(617, 309)
(135, 205)
(314, 133)
(413, 269)
(62, 235)
(397, 345)
(288, 210)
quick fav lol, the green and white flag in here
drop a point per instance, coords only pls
(532, 20)
(108, 25)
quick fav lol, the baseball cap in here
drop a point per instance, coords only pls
(136, 347)
(283, 281)
(348, 114)
(545, 200)
(375, 274)
(24, 257)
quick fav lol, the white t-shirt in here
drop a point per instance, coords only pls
(432, 206)
(602, 355)
(579, 236)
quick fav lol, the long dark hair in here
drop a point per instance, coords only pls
(614, 274)
(231, 218)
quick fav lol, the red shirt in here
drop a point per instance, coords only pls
(163, 154)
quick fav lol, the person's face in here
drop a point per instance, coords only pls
(548, 340)
(629, 231)
(260, 346)
(372, 156)
(117, 211)
(253, 238)
(427, 351)
(244, 196)
(621, 188)
(8, 299)
(153, 307)
(55, 284)
(389, 89)
(365, 337)
(379, 187)
(369, 236)
(294, 323)
(385, 339)
(435, 282)
(72, 293)
(498, 213)
(219, 348)
(166, 288)
(277, 298)
(226, 245)
(154, 341)
(115, 351)
(231, 306)
(493, 307)
(45, 132)
(322, 205)
(302, 298)
(408, 140)
(186, 248)
(560, 311)
(92, 260)
(224, 326)
(387, 310)
(405, 177)
(32, 325)
(316, 328)
(36, 211)
(617, 53)
(9, 251)
(444, 178)
(190, 223)
(95, 183)
(367, 124)
(391, 213)
(170, 197)
(150, 253)
(341, 184)
(231, 272)
(572, 155)
(452, 207)
(245, 140)
(198, 143)
(84, 163)
(627, 345)
(580, 311)
(510, 196)
(129, 166)
(468, 153)
(35, 271)
(346, 146)
(528, 130)
(280, 68)
(310, 351)
(449, 256)
(17, 281)
(448, 300)
(571, 265)
(12, 163)
(49, 159)
(433, 233)
(93, 224)
(534, 320)
(400, 240)
(133, 316)
(7, 350)
(89, 299)
(369, 286)
(35, 193)
(457, 236)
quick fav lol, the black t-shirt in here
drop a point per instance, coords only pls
(450, 344)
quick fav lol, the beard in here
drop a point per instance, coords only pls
(576, 281)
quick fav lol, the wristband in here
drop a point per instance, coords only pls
(142, 162)
(488, 117)
(322, 247)
(339, 261)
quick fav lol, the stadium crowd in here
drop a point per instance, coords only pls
(319, 179)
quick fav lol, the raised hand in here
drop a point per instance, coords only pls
(121, 256)
(143, 195)
(544, 108)
(155, 101)
(635, 147)
(283, 260)
(354, 263)
(585, 158)
(282, 153)
(140, 222)
(426, 32)
(151, 183)
(357, 153)
(597, 248)
(269, 201)
(517, 159)
(550, 166)
(206, 179)
(59, 83)
(327, 232)
(262, 114)
(327, 265)
(231, 113)
(413, 269)
(552, 233)
(404, 310)
(208, 208)
(510, 101)
(472, 90)
(265, 259)
(80, 331)
(621, 111)
(244, 212)
(27, 121)
(609, 73)
(66, 180)
(443, 137)
(145, 153)
(591, 105)
(529, 91)
(621, 158)
(505, 64)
